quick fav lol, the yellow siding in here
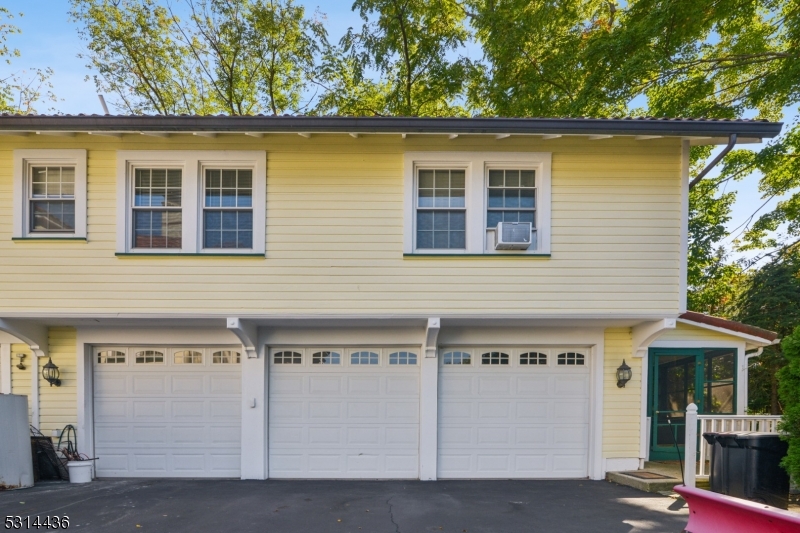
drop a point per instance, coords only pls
(335, 233)
(621, 407)
(686, 332)
(58, 406)
(21, 379)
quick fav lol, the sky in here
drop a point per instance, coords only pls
(50, 39)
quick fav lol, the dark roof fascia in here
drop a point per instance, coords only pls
(730, 325)
(304, 124)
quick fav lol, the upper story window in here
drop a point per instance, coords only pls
(441, 209)
(511, 196)
(49, 194)
(454, 202)
(157, 214)
(52, 199)
(228, 208)
(195, 202)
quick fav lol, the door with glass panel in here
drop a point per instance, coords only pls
(678, 377)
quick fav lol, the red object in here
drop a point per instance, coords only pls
(710, 512)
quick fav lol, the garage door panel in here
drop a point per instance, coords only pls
(456, 385)
(367, 385)
(327, 411)
(168, 420)
(363, 410)
(111, 410)
(112, 385)
(190, 385)
(571, 386)
(149, 384)
(571, 410)
(325, 385)
(494, 386)
(402, 411)
(533, 410)
(402, 385)
(455, 410)
(325, 436)
(533, 386)
(290, 384)
(515, 420)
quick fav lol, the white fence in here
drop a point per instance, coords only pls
(719, 424)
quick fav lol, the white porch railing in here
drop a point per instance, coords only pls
(719, 424)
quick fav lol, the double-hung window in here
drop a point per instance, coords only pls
(191, 202)
(49, 194)
(157, 213)
(228, 208)
(454, 202)
(441, 209)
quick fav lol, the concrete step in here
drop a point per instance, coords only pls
(644, 480)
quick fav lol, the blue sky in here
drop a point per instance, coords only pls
(50, 39)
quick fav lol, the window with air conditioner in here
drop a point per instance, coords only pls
(477, 203)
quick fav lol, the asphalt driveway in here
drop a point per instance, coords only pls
(201, 506)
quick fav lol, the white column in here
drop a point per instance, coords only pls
(85, 368)
(254, 414)
(5, 368)
(690, 446)
(35, 390)
(429, 402)
(428, 418)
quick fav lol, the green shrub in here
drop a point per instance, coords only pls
(789, 391)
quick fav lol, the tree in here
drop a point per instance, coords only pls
(789, 377)
(229, 56)
(407, 42)
(712, 58)
(20, 91)
(771, 300)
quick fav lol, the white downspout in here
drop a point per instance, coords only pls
(746, 383)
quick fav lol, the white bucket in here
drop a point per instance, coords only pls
(80, 471)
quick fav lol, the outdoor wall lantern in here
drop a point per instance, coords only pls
(20, 356)
(50, 373)
(624, 375)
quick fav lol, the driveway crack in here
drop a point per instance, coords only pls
(391, 515)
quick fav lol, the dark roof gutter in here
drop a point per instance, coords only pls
(306, 124)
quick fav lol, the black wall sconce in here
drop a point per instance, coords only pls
(50, 373)
(20, 356)
(624, 375)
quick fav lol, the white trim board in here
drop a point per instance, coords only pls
(758, 341)
(23, 161)
(192, 163)
(476, 164)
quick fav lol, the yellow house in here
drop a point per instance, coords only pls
(334, 297)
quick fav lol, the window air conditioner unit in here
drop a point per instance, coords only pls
(513, 236)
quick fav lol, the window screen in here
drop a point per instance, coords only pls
(157, 221)
(511, 197)
(441, 209)
(228, 208)
(52, 199)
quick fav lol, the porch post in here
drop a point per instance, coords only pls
(690, 446)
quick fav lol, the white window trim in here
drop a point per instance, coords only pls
(23, 161)
(476, 165)
(192, 163)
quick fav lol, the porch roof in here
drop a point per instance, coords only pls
(703, 320)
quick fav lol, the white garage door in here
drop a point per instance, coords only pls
(344, 413)
(167, 412)
(513, 413)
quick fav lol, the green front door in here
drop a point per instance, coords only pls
(678, 377)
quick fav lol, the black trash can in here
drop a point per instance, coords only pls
(716, 465)
(747, 465)
(765, 480)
